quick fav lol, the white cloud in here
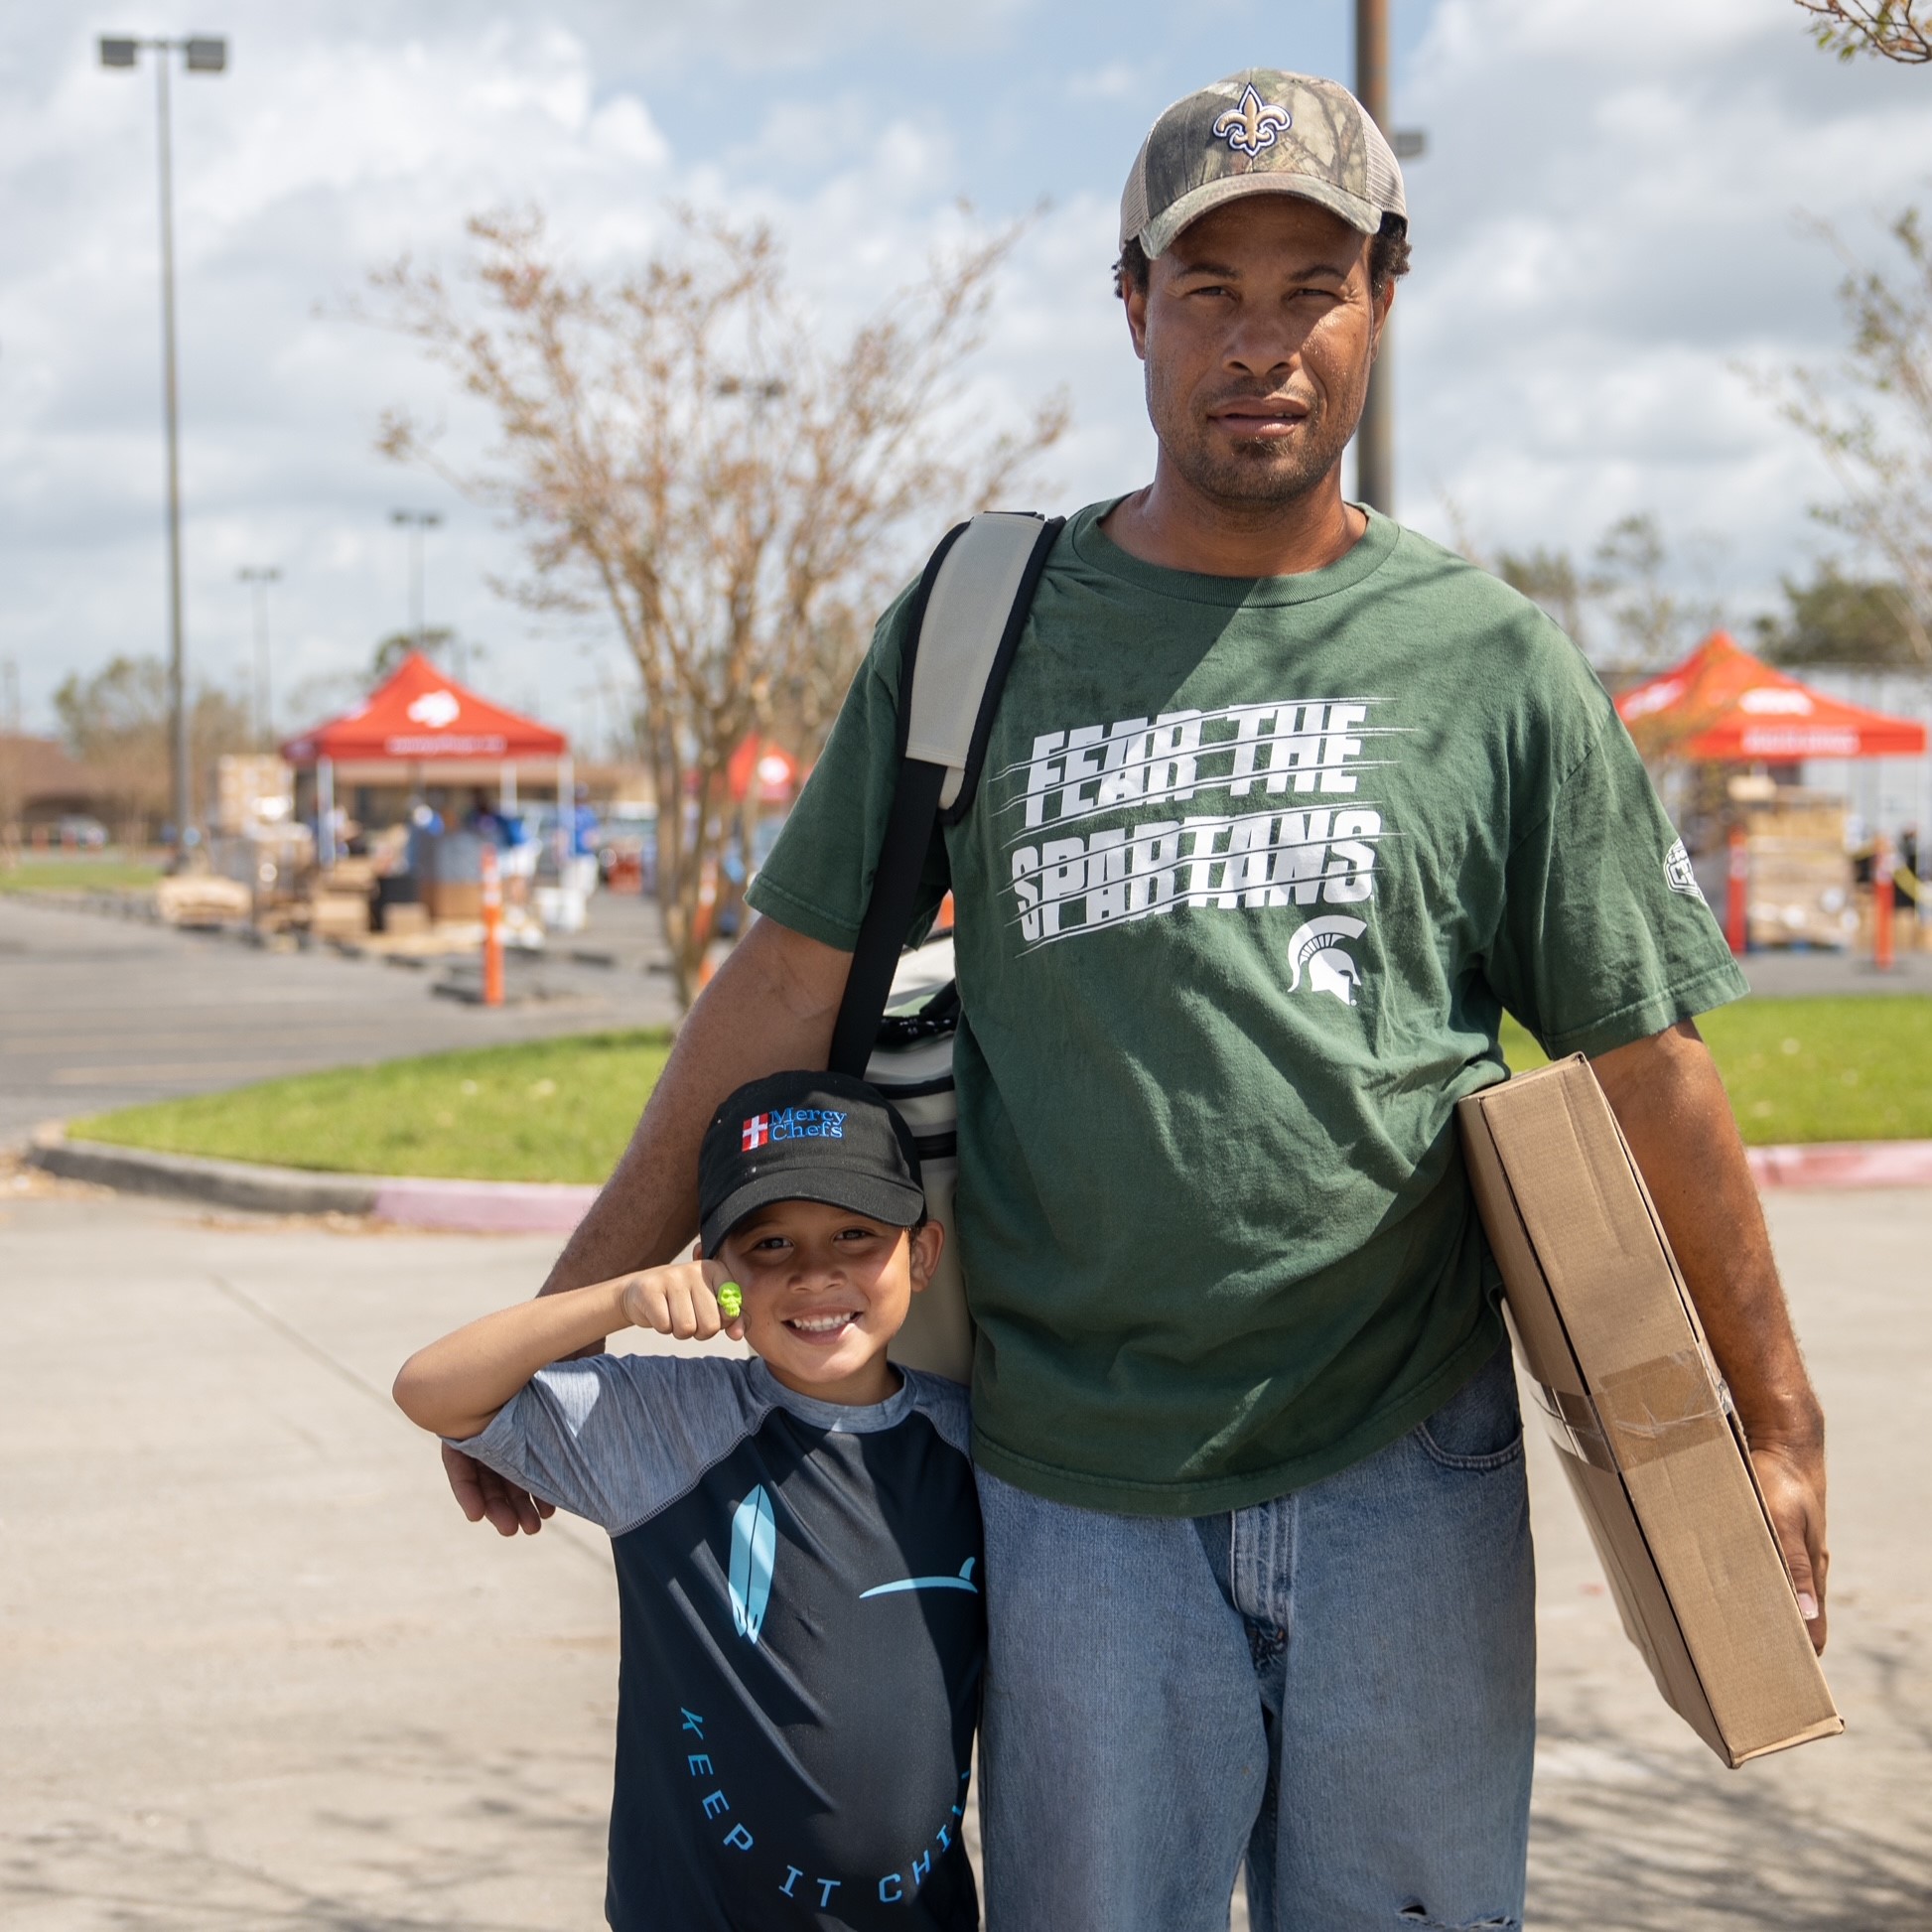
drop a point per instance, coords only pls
(1604, 227)
(1116, 80)
(1604, 224)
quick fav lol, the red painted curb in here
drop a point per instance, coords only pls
(1844, 1163)
(534, 1207)
(481, 1206)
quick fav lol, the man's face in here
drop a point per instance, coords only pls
(1258, 331)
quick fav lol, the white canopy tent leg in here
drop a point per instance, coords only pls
(506, 789)
(326, 812)
(566, 816)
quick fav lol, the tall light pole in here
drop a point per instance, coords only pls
(416, 522)
(1375, 438)
(258, 577)
(201, 55)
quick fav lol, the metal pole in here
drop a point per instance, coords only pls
(258, 578)
(416, 580)
(1375, 437)
(176, 665)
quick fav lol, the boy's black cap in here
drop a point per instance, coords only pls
(822, 1136)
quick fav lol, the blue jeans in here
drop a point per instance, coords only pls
(1337, 1686)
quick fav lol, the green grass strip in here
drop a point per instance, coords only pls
(78, 876)
(542, 1110)
(1852, 1069)
(1812, 1070)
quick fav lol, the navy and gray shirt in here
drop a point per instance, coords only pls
(803, 1635)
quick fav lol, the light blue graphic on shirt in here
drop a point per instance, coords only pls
(964, 1580)
(754, 1551)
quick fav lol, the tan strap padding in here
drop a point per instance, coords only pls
(965, 618)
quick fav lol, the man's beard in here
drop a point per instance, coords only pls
(1257, 473)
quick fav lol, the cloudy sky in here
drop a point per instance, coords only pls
(1608, 223)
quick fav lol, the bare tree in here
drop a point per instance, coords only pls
(116, 724)
(1629, 592)
(1838, 621)
(1549, 578)
(681, 451)
(1653, 621)
(1887, 28)
(1872, 418)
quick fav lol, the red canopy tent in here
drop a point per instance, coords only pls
(1722, 703)
(419, 716)
(765, 764)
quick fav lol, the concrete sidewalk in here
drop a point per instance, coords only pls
(255, 1672)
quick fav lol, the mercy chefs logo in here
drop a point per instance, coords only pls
(794, 1124)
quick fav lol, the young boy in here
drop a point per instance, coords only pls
(796, 1537)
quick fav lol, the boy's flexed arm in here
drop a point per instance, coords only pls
(770, 1007)
(456, 1386)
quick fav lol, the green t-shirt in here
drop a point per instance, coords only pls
(1253, 870)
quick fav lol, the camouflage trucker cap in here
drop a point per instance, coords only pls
(1260, 132)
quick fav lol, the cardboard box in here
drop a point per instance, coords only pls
(1603, 1325)
(340, 915)
(453, 900)
(406, 919)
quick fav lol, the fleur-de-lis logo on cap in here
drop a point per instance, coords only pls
(1253, 125)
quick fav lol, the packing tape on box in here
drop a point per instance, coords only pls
(1662, 1407)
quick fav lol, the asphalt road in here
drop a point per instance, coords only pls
(255, 1672)
(98, 1012)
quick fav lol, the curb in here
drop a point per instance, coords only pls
(546, 1207)
(451, 1206)
(1844, 1163)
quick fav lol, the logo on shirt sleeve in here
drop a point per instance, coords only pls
(754, 1551)
(1678, 875)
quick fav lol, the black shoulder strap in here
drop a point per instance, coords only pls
(957, 654)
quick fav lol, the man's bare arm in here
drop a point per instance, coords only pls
(1670, 1101)
(769, 1008)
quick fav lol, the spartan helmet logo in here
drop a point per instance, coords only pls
(1331, 970)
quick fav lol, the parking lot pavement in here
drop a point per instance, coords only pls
(1637, 1827)
(256, 1672)
(98, 1012)
(1794, 974)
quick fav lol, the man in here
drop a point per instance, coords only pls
(1283, 807)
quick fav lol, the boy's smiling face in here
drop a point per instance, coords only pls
(825, 1290)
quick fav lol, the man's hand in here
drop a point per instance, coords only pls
(1670, 1102)
(481, 1492)
(1793, 1481)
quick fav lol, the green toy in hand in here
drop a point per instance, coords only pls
(730, 1299)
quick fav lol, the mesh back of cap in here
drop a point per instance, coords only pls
(1384, 176)
(1133, 199)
